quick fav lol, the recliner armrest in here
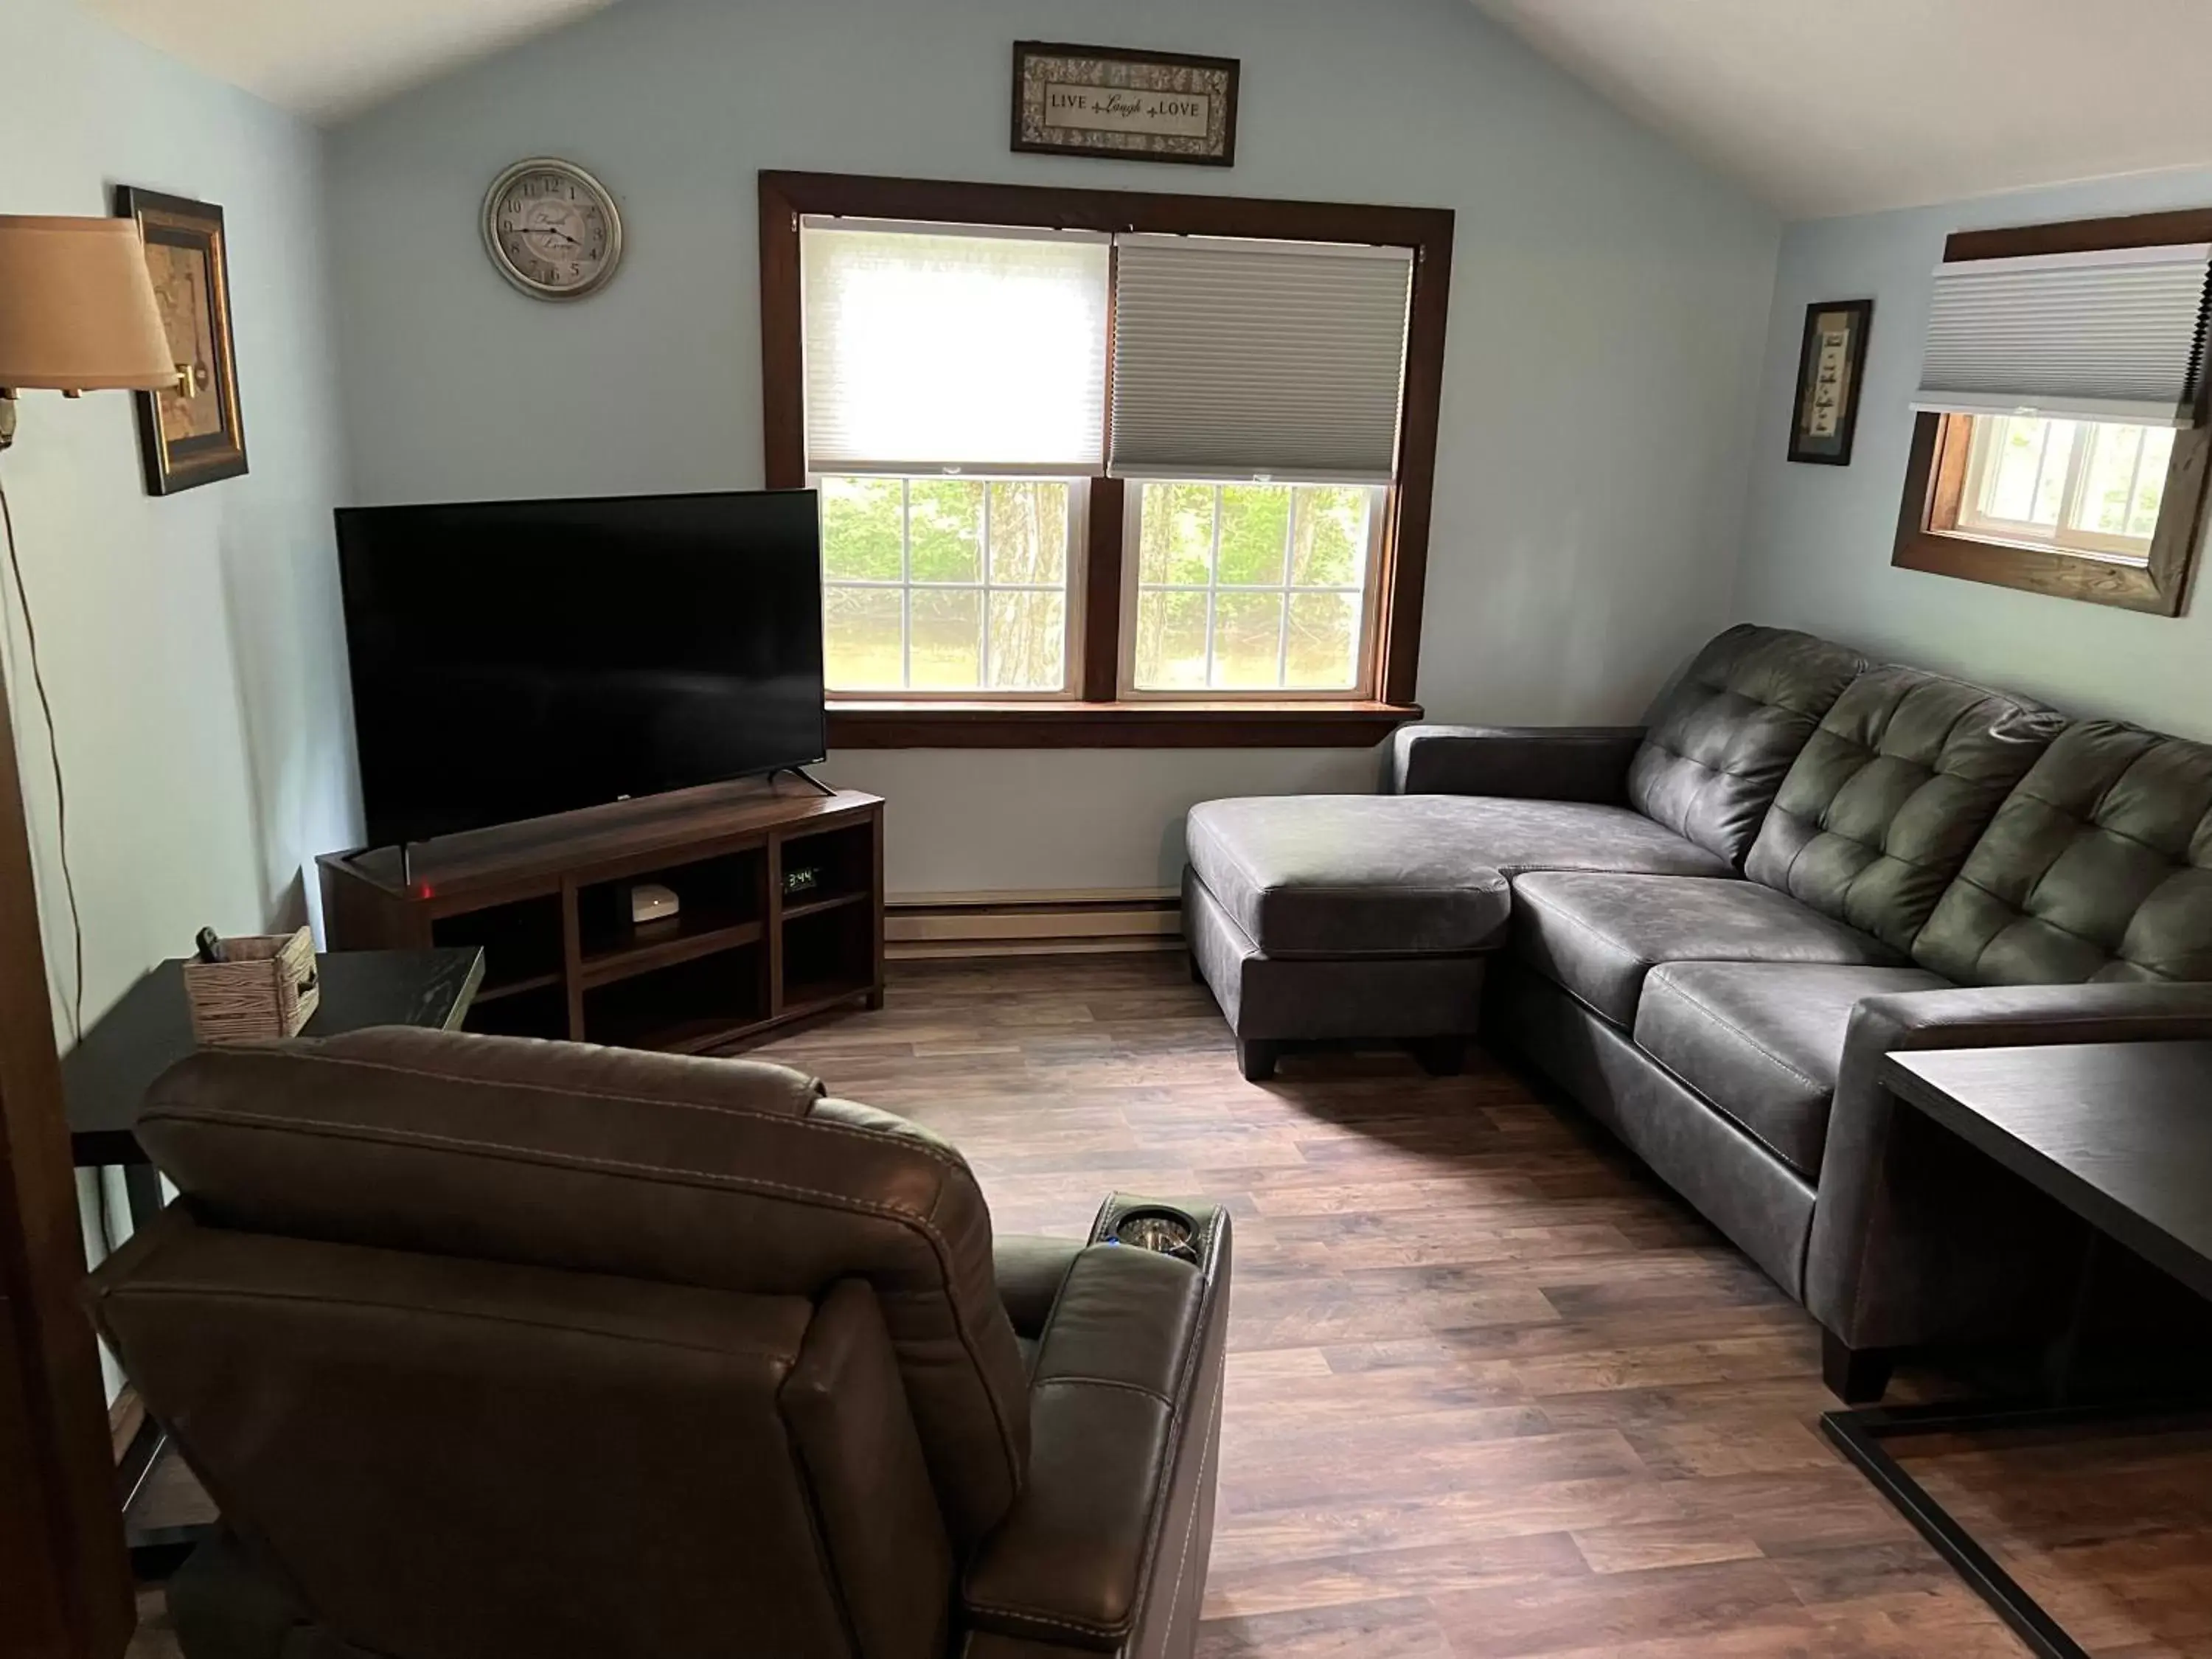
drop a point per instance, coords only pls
(1530, 762)
(1893, 1258)
(1105, 1548)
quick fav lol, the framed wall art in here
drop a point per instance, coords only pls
(1827, 413)
(191, 434)
(1127, 105)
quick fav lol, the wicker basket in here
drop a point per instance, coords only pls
(264, 987)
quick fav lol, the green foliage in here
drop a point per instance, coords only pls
(1176, 533)
(1329, 537)
(860, 538)
(945, 522)
(1256, 521)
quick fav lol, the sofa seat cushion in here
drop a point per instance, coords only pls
(1762, 1040)
(1596, 937)
(1349, 875)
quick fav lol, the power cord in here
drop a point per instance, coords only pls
(54, 755)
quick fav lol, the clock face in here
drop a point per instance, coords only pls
(552, 229)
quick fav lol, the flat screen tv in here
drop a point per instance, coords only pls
(515, 659)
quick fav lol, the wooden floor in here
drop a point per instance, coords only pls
(1492, 1390)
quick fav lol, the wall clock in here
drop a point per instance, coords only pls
(552, 229)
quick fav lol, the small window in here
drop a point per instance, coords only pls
(2090, 487)
(2064, 417)
(936, 583)
(1242, 588)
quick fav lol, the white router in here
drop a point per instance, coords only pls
(650, 902)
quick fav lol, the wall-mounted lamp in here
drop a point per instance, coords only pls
(77, 312)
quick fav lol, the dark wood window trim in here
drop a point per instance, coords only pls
(1935, 475)
(1101, 718)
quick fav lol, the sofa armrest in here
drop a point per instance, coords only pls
(1914, 1239)
(1105, 1548)
(1531, 762)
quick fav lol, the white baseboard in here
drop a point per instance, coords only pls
(1073, 923)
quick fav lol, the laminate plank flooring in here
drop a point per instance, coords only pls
(1492, 1389)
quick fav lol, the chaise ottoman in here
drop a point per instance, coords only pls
(1341, 916)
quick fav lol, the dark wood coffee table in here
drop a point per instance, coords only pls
(2121, 1135)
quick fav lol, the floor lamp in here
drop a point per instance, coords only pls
(77, 314)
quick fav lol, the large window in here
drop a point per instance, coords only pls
(2063, 445)
(1124, 468)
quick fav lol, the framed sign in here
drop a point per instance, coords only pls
(1829, 362)
(1129, 105)
(191, 434)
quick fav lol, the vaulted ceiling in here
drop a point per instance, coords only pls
(1826, 108)
(1820, 108)
(328, 59)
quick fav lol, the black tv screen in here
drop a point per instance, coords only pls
(515, 659)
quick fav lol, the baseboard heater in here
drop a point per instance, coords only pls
(1031, 924)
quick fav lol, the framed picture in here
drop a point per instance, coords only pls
(191, 434)
(1128, 106)
(1828, 368)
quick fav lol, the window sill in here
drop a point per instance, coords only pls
(2095, 578)
(864, 724)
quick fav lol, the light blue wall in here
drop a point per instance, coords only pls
(1608, 316)
(1817, 541)
(192, 644)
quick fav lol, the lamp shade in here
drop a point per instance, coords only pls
(77, 307)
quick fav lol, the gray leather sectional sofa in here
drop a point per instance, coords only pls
(1709, 929)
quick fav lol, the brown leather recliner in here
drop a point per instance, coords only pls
(488, 1347)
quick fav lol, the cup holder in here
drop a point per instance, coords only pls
(1155, 1227)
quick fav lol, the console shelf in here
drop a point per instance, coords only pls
(547, 903)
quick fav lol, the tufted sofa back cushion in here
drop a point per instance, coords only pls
(1882, 806)
(1722, 738)
(2097, 867)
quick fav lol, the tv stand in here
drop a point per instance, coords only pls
(782, 916)
(804, 775)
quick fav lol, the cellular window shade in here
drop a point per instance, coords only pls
(1234, 357)
(2116, 335)
(929, 347)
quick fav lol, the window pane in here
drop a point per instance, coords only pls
(928, 539)
(1176, 533)
(1256, 521)
(2058, 450)
(2102, 502)
(1329, 537)
(1247, 640)
(861, 539)
(1324, 652)
(861, 644)
(1170, 640)
(1029, 642)
(948, 639)
(924, 348)
(2015, 467)
(945, 520)
(2150, 482)
(1029, 533)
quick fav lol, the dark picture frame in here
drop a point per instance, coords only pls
(1164, 106)
(193, 434)
(1824, 416)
